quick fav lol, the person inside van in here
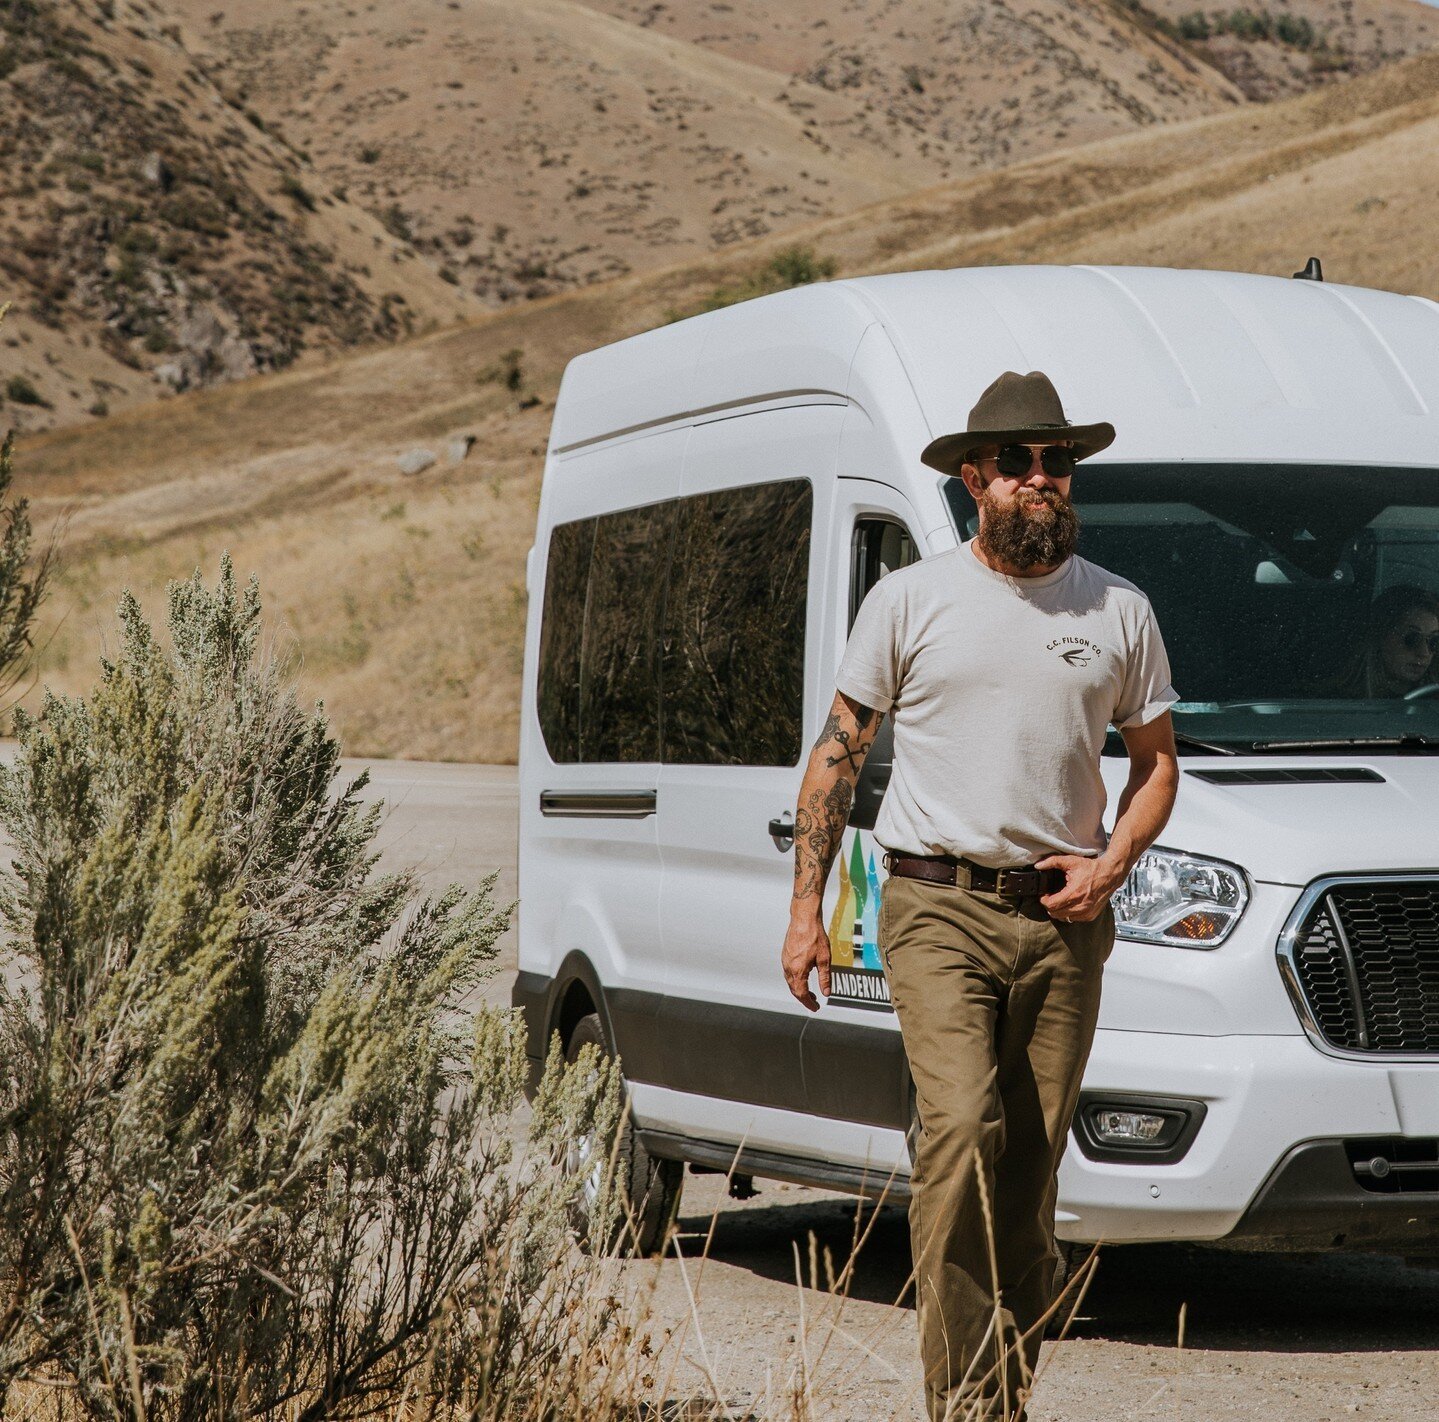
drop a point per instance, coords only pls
(1400, 649)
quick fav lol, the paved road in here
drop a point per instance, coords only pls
(456, 824)
(1279, 1338)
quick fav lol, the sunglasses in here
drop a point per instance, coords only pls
(1015, 461)
(1416, 641)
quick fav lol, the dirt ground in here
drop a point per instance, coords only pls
(1284, 1338)
(1277, 1338)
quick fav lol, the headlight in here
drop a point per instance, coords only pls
(1180, 899)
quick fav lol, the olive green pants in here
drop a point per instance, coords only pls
(997, 1004)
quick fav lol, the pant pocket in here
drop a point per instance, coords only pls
(1106, 925)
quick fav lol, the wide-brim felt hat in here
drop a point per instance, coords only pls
(1016, 409)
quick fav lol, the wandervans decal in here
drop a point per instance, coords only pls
(856, 975)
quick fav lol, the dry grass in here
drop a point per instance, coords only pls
(406, 594)
(641, 1363)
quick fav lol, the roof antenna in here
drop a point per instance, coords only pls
(1313, 271)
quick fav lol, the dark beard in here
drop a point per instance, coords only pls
(1035, 537)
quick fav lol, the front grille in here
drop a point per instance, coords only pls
(1365, 955)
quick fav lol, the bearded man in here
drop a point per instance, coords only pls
(1003, 662)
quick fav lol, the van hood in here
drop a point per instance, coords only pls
(1290, 832)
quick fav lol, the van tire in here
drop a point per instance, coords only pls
(1071, 1257)
(649, 1189)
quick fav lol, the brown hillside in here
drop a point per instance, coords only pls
(404, 595)
(154, 234)
(539, 147)
(979, 82)
(1275, 47)
(536, 148)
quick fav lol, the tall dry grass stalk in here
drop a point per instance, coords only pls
(24, 573)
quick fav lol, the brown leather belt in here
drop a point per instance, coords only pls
(964, 873)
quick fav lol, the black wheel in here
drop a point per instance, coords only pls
(648, 1189)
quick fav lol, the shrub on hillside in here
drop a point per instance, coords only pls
(789, 267)
(292, 187)
(1295, 30)
(1252, 26)
(21, 389)
(252, 1161)
(507, 371)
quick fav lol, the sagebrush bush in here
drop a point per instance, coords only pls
(251, 1157)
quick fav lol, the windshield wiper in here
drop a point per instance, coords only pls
(1181, 738)
(1418, 743)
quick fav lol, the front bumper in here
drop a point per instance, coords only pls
(1268, 1164)
(1313, 1200)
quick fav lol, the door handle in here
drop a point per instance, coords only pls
(781, 831)
(599, 804)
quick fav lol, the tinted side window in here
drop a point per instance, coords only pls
(732, 663)
(619, 670)
(562, 623)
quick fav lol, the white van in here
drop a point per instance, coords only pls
(718, 497)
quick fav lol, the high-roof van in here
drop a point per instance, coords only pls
(719, 496)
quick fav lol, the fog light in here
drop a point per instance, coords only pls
(1124, 1127)
(1117, 1126)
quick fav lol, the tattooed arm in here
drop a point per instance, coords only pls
(825, 797)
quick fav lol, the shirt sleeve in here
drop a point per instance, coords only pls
(869, 670)
(1147, 691)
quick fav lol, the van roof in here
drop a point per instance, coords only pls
(1187, 364)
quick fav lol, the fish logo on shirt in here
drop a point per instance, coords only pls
(1077, 651)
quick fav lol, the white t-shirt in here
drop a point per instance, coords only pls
(1001, 690)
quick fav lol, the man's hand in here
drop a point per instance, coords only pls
(1143, 809)
(806, 947)
(1088, 883)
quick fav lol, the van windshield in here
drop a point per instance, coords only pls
(1299, 603)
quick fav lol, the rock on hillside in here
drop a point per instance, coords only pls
(155, 235)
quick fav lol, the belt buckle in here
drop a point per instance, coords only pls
(1004, 877)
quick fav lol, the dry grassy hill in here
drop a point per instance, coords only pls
(155, 235)
(539, 147)
(1271, 48)
(197, 190)
(536, 148)
(403, 593)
